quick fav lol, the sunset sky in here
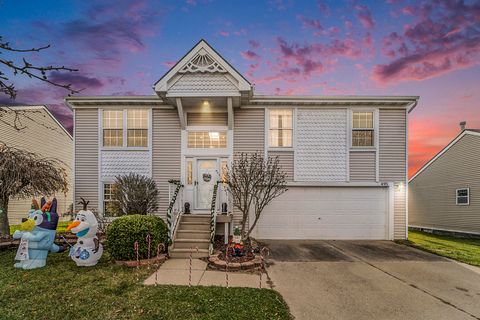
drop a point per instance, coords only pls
(389, 47)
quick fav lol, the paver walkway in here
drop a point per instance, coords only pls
(176, 272)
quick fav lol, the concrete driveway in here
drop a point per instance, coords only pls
(371, 280)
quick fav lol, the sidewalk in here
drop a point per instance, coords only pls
(176, 272)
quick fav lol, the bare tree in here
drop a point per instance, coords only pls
(24, 174)
(133, 194)
(27, 69)
(253, 183)
(10, 68)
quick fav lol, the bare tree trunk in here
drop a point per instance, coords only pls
(4, 225)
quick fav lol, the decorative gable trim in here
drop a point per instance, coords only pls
(202, 58)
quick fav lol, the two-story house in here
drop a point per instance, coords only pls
(345, 156)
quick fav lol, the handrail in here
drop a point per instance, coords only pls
(213, 210)
(172, 220)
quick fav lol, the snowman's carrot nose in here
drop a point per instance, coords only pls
(73, 225)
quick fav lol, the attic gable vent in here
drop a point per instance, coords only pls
(202, 62)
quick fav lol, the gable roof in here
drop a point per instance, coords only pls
(40, 107)
(474, 132)
(204, 59)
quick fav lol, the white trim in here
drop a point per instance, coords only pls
(99, 162)
(349, 142)
(376, 136)
(295, 142)
(335, 184)
(74, 164)
(406, 174)
(461, 135)
(230, 115)
(468, 197)
(391, 211)
(443, 229)
(181, 114)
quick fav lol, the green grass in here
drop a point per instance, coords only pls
(61, 227)
(62, 290)
(461, 249)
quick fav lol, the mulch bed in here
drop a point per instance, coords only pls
(224, 256)
(144, 262)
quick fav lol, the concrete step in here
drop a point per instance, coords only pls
(191, 243)
(195, 218)
(185, 253)
(193, 234)
(200, 226)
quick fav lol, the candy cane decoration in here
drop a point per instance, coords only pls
(160, 248)
(135, 248)
(190, 272)
(226, 266)
(262, 263)
(149, 242)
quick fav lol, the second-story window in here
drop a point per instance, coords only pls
(125, 128)
(362, 129)
(280, 128)
(113, 128)
(137, 128)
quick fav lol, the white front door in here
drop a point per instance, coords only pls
(206, 177)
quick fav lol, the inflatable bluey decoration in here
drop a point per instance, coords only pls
(37, 234)
(88, 249)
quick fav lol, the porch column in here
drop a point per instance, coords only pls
(230, 113)
(180, 113)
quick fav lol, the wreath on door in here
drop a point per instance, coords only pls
(207, 177)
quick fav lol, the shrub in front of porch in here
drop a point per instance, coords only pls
(133, 194)
(124, 231)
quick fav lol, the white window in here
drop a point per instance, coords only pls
(280, 131)
(130, 133)
(224, 171)
(363, 129)
(207, 139)
(113, 128)
(107, 198)
(189, 172)
(463, 196)
(137, 128)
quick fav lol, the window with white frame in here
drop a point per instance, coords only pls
(207, 139)
(189, 172)
(280, 131)
(130, 133)
(137, 128)
(463, 196)
(107, 198)
(363, 129)
(113, 128)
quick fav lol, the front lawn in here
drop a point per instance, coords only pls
(64, 291)
(461, 249)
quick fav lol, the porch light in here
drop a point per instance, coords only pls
(206, 106)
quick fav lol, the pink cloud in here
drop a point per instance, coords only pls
(224, 33)
(169, 64)
(441, 40)
(365, 16)
(249, 55)
(254, 43)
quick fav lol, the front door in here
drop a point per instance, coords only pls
(206, 178)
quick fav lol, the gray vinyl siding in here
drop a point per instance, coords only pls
(42, 135)
(248, 137)
(432, 201)
(286, 162)
(207, 119)
(392, 161)
(362, 166)
(166, 153)
(86, 157)
(393, 145)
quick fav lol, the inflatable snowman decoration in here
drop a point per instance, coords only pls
(88, 249)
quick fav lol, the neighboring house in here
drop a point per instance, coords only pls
(444, 194)
(39, 132)
(345, 156)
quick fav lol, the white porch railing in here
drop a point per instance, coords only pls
(175, 207)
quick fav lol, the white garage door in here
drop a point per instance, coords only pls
(326, 213)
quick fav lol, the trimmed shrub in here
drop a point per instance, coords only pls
(124, 231)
